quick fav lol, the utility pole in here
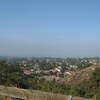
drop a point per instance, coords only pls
(94, 97)
(97, 62)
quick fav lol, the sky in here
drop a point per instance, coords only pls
(50, 28)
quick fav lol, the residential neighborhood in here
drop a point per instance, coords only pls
(53, 68)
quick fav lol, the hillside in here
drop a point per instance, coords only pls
(76, 77)
(22, 94)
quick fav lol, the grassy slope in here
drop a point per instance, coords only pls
(32, 94)
(79, 76)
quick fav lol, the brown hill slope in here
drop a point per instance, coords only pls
(10, 93)
(76, 77)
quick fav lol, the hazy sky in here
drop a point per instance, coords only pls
(55, 28)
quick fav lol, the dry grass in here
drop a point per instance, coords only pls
(80, 76)
(31, 94)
